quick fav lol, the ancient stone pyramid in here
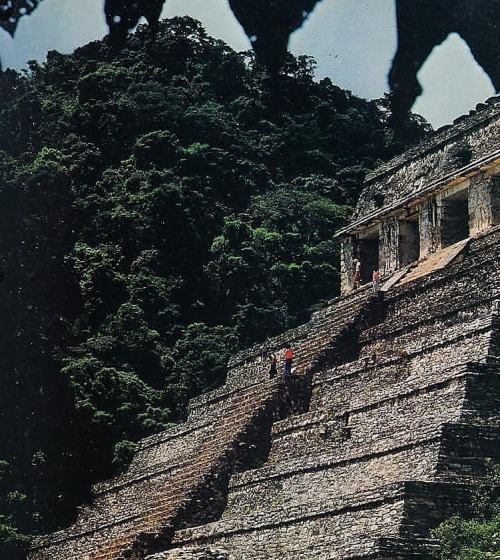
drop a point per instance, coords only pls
(389, 419)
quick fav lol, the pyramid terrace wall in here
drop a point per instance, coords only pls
(347, 527)
(404, 442)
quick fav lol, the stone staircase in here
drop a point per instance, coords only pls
(314, 343)
(179, 478)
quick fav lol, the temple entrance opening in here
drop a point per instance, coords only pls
(454, 218)
(368, 253)
(409, 241)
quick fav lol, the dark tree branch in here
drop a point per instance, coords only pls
(12, 10)
(268, 24)
(123, 15)
(422, 25)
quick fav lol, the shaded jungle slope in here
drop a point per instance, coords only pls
(157, 213)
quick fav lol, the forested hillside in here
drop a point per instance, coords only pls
(161, 207)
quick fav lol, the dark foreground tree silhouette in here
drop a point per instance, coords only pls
(422, 25)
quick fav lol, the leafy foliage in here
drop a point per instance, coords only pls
(476, 537)
(12, 503)
(158, 212)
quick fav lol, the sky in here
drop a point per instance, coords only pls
(353, 42)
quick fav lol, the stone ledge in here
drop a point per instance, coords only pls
(409, 548)
(288, 516)
(145, 474)
(412, 386)
(397, 391)
(383, 447)
(330, 461)
(203, 553)
(67, 535)
(366, 548)
(442, 136)
(306, 420)
(455, 314)
(179, 431)
(222, 394)
(360, 501)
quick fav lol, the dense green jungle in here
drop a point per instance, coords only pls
(162, 206)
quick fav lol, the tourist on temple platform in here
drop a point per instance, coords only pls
(288, 357)
(376, 281)
(273, 360)
(356, 278)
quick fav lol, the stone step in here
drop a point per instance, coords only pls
(154, 456)
(203, 408)
(147, 504)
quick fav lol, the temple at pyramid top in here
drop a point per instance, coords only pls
(434, 196)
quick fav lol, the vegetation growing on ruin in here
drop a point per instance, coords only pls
(476, 537)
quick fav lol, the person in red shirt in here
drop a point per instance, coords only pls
(288, 357)
(376, 281)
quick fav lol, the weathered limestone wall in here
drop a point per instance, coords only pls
(389, 255)
(346, 272)
(484, 202)
(309, 531)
